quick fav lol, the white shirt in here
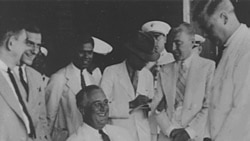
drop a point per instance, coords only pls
(16, 70)
(3, 70)
(88, 78)
(88, 133)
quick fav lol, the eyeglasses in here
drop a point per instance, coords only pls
(99, 104)
(32, 44)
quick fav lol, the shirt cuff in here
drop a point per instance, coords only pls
(191, 132)
(158, 112)
(170, 129)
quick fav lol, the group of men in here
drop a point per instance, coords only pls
(153, 95)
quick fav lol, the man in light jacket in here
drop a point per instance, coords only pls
(229, 116)
(129, 87)
(183, 90)
(62, 113)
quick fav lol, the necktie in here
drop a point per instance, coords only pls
(32, 133)
(180, 84)
(82, 80)
(24, 83)
(105, 137)
(135, 80)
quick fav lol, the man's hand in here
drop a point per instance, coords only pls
(161, 105)
(139, 100)
(179, 135)
(207, 139)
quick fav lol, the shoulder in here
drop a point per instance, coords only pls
(78, 135)
(118, 132)
(207, 62)
(167, 66)
(58, 76)
(115, 66)
(113, 69)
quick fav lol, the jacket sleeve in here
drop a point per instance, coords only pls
(117, 108)
(200, 119)
(236, 125)
(53, 93)
(163, 120)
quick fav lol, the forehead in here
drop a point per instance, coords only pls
(181, 35)
(35, 37)
(22, 35)
(96, 95)
(86, 47)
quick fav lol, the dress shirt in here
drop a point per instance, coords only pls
(88, 133)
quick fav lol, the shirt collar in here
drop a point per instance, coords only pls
(77, 70)
(3, 66)
(93, 130)
(188, 60)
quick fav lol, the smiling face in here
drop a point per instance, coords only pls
(18, 44)
(182, 46)
(97, 110)
(84, 56)
(34, 40)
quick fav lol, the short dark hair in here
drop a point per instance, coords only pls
(83, 95)
(206, 7)
(33, 28)
(83, 39)
(10, 27)
(183, 27)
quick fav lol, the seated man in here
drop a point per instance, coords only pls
(93, 105)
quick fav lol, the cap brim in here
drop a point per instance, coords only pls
(147, 57)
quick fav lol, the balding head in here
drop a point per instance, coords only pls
(93, 105)
(216, 18)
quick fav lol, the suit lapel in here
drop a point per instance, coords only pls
(125, 80)
(192, 79)
(10, 98)
(34, 86)
(168, 81)
(73, 79)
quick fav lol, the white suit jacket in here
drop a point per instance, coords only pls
(229, 114)
(62, 113)
(36, 103)
(119, 90)
(12, 127)
(87, 133)
(195, 104)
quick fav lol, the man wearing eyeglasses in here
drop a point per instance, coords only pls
(93, 105)
(159, 30)
(32, 82)
(15, 121)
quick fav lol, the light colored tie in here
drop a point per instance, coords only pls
(180, 84)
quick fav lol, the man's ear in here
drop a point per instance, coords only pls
(10, 43)
(224, 17)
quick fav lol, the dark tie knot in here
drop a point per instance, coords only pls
(105, 137)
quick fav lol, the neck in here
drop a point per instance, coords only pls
(8, 60)
(130, 69)
(235, 24)
(77, 66)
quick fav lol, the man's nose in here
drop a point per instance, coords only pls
(173, 47)
(35, 50)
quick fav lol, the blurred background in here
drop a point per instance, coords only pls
(111, 21)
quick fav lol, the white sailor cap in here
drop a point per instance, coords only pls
(156, 26)
(199, 39)
(44, 51)
(101, 47)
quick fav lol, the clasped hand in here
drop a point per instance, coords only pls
(179, 135)
(138, 101)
